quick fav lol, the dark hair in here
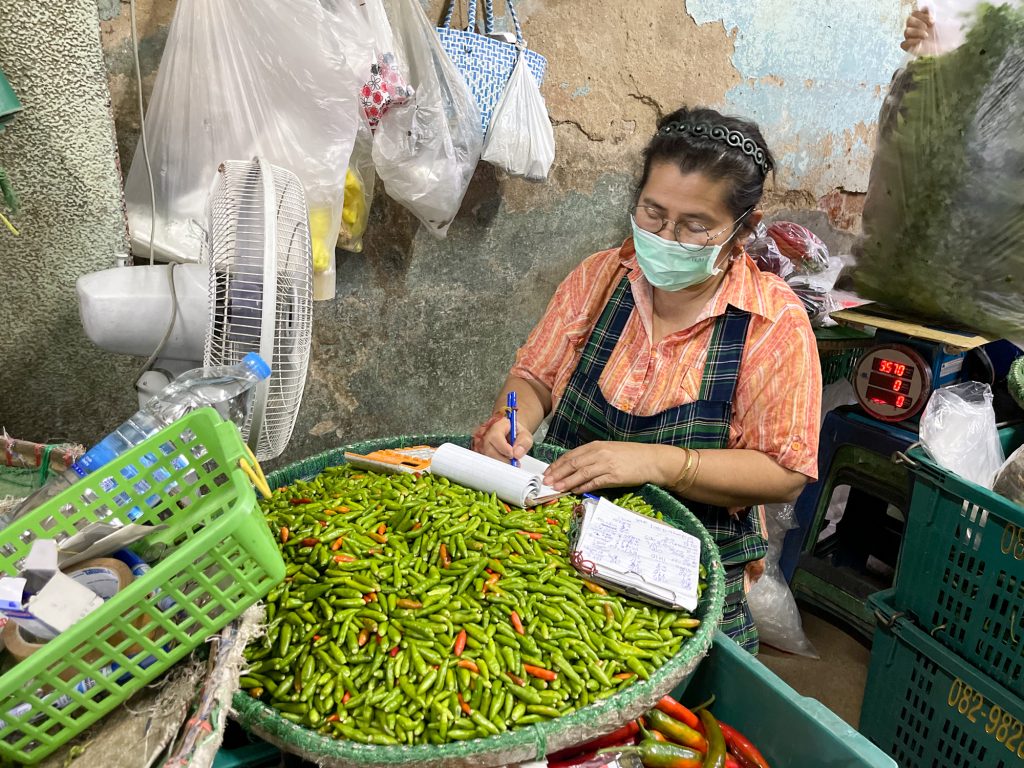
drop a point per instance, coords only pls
(688, 138)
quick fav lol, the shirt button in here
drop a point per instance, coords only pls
(797, 445)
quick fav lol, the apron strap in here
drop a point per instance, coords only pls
(725, 353)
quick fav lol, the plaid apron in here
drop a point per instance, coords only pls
(584, 415)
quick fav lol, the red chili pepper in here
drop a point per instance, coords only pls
(540, 673)
(731, 762)
(673, 708)
(623, 735)
(334, 716)
(466, 709)
(460, 643)
(516, 679)
(346, 697)
(343, 558)
(470, 665)
(382, 529)
(364, 637)
(517, 623)
(443, 554)
(491, 581)
(677, 731)
(310, 541)
(285, 533)
(507, 507)
(394, 651)
(323, 523)
(550, 521)
(303, 500)
(744, 750)
(417, 525)
(315, 638)
(530, 534)
(409, 605)
(550, 503)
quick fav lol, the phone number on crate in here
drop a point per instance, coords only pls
(1001, 725)
(1012, 542)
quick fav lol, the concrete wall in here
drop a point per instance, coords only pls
(423, 331)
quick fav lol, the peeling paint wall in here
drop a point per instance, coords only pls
(423, 331)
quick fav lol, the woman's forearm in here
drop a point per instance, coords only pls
(534, 401)
(729, 477)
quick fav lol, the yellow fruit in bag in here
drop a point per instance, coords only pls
(319, 235)
(354, 214)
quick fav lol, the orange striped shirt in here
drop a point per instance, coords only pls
(777, 405)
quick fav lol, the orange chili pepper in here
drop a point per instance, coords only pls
(623, 676)
(466, 709)
(310, 541)
(334, 717)
(336, 544)
(345, 698)
(517, 623)
(491, 581)
(516, 679)
(343, 558)
(285, 533)
(470, 665)
(507, 507)
(529, 534)
(382, 528)
(380, 538)
(540, 673)
(443, 554)
(364, 636)
(550, 521)
(460, 643)
(597, 589)
(405, 602)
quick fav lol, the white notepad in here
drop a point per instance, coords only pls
(643, 557)
(522, 486)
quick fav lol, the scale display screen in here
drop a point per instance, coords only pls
(892, 383)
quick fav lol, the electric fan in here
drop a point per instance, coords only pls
(258, 286)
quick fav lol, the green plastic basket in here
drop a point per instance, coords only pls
(214, 559)
(927, 707)
(789, 729)
(961, 569)
(523, 744)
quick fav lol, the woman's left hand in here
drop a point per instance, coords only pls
(606, 465)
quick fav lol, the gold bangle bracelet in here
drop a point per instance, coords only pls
(686, 469)
(693, 475)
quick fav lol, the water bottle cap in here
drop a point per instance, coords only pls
(257, 365)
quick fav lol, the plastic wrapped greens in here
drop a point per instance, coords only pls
(944, 215)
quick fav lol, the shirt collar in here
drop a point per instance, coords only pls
(741, 287)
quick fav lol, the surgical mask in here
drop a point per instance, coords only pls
(668, 266)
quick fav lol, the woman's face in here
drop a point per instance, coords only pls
(693, 201)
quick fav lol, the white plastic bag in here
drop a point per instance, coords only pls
(770, 599)
(520, 139)
(426, 149)
(958, 429)
(239, 80)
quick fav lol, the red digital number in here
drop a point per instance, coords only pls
(885, 366)
(897, 386)
(900, 400)
(900, 369)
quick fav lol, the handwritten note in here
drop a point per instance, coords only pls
(645, 557)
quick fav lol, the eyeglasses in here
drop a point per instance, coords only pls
(689, 234)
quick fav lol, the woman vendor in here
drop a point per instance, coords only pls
(673, 360)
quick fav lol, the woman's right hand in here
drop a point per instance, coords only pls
(491, 439)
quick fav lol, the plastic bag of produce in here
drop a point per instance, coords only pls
(958, 429)
(1010, 478)
(238, 80)
(765, 253)
(944, 214)
(802, 247)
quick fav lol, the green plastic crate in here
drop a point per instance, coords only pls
(961, 569)
(789, 729)
(927, 707)
(214, 559)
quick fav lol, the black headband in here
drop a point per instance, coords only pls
(720, 133)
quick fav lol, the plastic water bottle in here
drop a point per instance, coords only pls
(228, 388)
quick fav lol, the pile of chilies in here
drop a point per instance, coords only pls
(669, 736)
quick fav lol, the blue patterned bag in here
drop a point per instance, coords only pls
(486, 63)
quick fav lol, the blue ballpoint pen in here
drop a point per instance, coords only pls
(511, 406)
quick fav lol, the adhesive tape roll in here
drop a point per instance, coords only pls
(104, 576)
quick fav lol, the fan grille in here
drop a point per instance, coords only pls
(241, 265)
